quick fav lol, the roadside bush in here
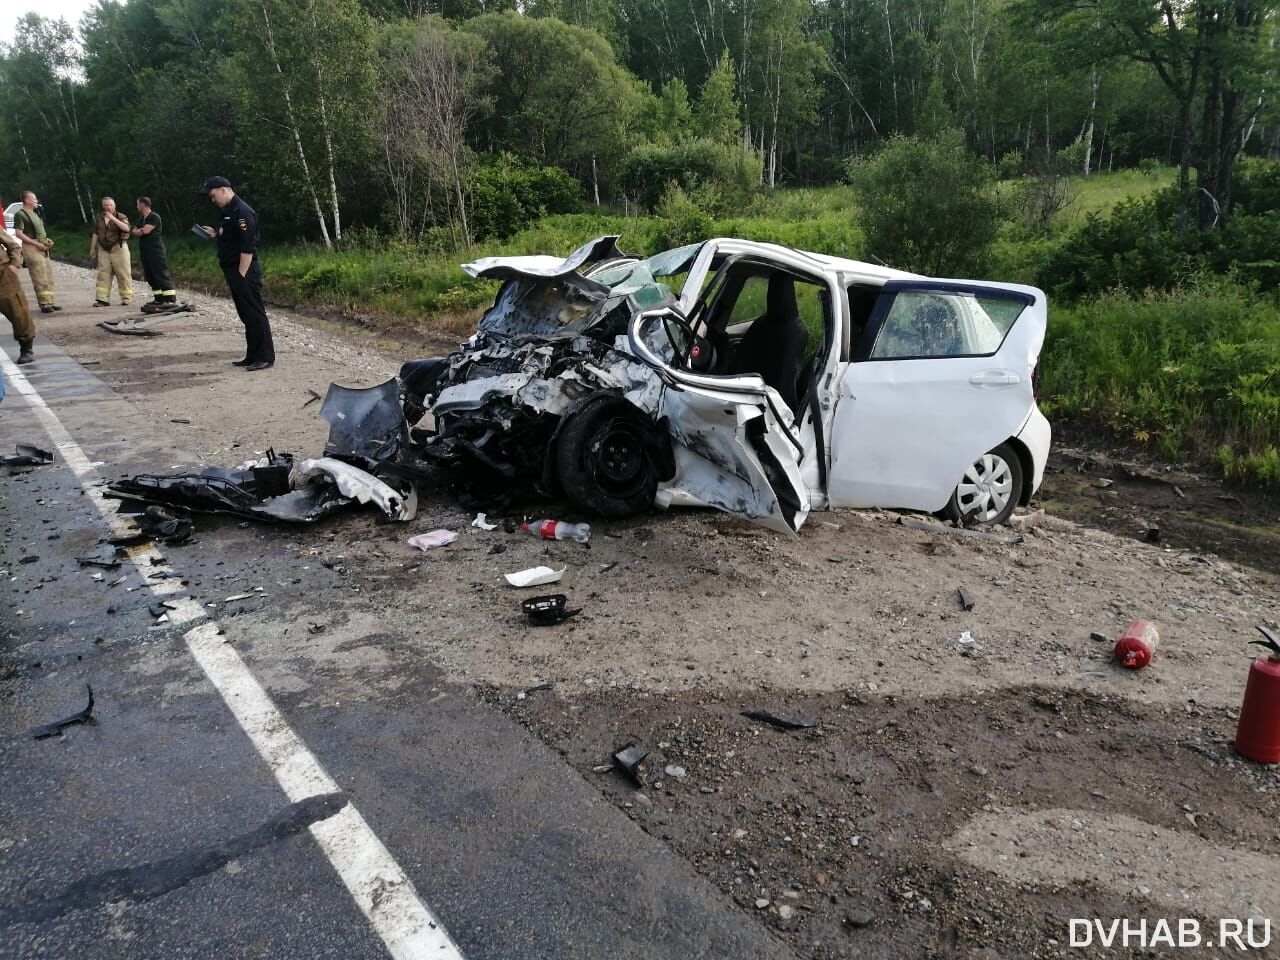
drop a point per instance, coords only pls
(1193, 373)
(1138, 245)
(927, 205)
(725, 173)
(683, 220)
(509, 194)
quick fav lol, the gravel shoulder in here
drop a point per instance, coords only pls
(934, 724)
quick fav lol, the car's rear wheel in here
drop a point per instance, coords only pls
(604, 458)
(989, 490)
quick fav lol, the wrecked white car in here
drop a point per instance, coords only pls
(763, 381)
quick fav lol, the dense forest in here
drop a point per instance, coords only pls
(449, 122)
(1124, 155)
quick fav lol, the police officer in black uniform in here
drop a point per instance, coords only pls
(237, 234)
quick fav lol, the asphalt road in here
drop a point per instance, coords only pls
(164, 828)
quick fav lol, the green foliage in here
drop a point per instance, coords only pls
(927, 205)
(1138, 245)
(558, 92)
(509, 194)
(1194, 373)
(717, 115)
(683, 220)
(699, 167)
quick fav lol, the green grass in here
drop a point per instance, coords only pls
(1100, 192)
(1191, 374)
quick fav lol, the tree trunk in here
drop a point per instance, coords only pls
(1094, 80)
(293, 125)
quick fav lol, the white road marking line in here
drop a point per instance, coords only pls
(381, 889)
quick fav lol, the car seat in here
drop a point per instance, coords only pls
(774, 346)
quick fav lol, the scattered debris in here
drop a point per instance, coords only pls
(1152, 535)
(1025, 521)
(535, 576)
(1103, 483)
(315, 628)
(521, 694)
(497, 548)
(966, 601)
(966, 637)
(436, 538)
(312, 397)
(29, 558)
(1178, 490)
(674, 771)
(55, 728)
(558, 530)
(481, 522)
(109, 562)
(784, 723)
(26, 455)
(271, 488)
(630, 760)
(179, 420)
(914, 524)
(548, 610)
(1099, 637)
(143, 324)
(240, 596)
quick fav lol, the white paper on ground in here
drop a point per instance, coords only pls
(535, 576)
(482, 522)
(436, 538)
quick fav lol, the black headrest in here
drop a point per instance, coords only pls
(782, 295)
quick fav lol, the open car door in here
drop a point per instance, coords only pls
(940, 376)
(735, 442)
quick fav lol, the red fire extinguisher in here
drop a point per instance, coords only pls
(1258, 733)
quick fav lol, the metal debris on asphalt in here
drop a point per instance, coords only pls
(966, 601)
(26, 455)
(54, 729)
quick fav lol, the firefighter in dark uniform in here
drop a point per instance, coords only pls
(155, 262)
(237, 234)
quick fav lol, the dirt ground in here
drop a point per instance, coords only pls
(973, 780)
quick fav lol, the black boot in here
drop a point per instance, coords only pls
(24, 352)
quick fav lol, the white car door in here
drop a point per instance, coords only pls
(736, 444)
(941, 374)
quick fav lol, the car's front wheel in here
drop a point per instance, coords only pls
(989, 490)
(605, 458)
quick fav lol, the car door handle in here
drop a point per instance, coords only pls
(995, 378)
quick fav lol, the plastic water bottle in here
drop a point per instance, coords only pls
(1137, 645)
(558, 530)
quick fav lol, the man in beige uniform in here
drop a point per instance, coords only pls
(110, 244)
(28, 226)
(13, 302)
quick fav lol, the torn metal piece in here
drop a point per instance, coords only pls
(365, 423)
(353, 483)
(1008, 539)
(966, 601)
(26, 455)
(783, 723)
(55, 728)
(548, 610)
(630, 760)
(107, 562)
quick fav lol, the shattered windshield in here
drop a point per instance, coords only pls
(547, 306)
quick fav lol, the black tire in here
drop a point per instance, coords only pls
(980, 498)
(605, 458)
